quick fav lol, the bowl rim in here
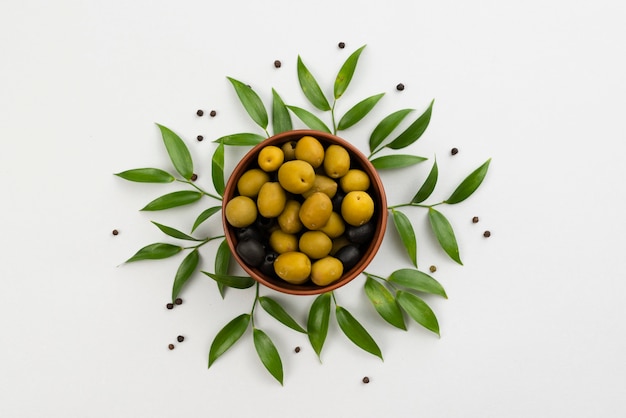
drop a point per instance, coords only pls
(380, 200)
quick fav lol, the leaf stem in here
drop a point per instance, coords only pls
(208, 239)
(419, 205)
(256, 300)
(332, 115)
(204, 192)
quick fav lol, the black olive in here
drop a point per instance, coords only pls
(349, 256)
(265, 224)
(251, 251)
(360, 234)
(249, 232)
(267, 267)
(338, 199)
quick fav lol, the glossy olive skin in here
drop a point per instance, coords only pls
(271, 200)
(316, 210)
(251, 251)
(336, 162)
(357, 208)
(289, 219)
(267, 266)
(337, 200)
(293, 267)
(296, 176)
(349, 256)
(315, 244)
(270, 158)
(241, 211)
(355, 180)
(282, 242)
(250, 232)
(360, 234)
(251, 181)
(326, 270)
(311, 150)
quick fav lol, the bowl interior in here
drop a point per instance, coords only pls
(376, 191)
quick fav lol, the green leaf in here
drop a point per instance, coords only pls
(146, 175)
(396, 161)
(222, 263)
(444, 233)
(358, 112)
(251, 102)
(346, 72)
(268, 354)
(429, 185)
(310, 88)
(184, 272)
(317, 324)
(172, 200)
(418, 310)
(178, 152)
(384, 303)
(243, 139)
(278, 312)
(217, 169)
(174, 233)
(155, 252)
(228, 336)
(414, 131)
(309, 119)
(281, 119)
(469, 185)
(417, 280)
(206, 214)
(237, 282)
(407, 235)
(356, 333)
(386, 126)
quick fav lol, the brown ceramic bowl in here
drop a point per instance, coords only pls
(376, 191)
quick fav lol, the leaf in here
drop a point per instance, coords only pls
(281, 119)
(358, 112)
(317, 324)
(184, 272)
(418, 310)
(384, 303)
(243, 139)
(429, 185)
(414, 131)
(346, 72)
(396, 161)
(178, 152)
(146, 175)
(222, 263)
(310, 88)
(172, 200)
(309, 119)
(237, 282)
(155, 252)
(251, 102)
(417, 280)
(407, 235)
(228, 336)
(268, 354)
(356, 333)
(444, 233)
(386, 126)
(206, 214)
(217, 169)
(278, 312)
(175, 233)
(469, 185)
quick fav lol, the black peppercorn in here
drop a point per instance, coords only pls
(366, 379)
(199, 137)
(194, 177)
(213, 113)
(277, 64)
(341, 45)
(170, 306)
(400, 87)
(475, 219)
(171, 346)
(115, 232)
(178, 301)
(454, 151)
(200, 112)
(297, 349)
(486, 234)
(180, 338)
(433, 269)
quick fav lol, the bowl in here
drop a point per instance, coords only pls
(368, 250)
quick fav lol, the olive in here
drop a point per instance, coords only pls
(316, 210)
(289, 150)
(296, 176)
(336, 161)
(251, 251)
(282, 242)
(270, 158)
(267, 267)
(337, 200)
(309, 149)
(240, 211)
(293, 267)
(355, 180)
(361, 234)
(251, 181)
(326, 270)
(265, 225)
(249, 232)
(357, 208)
(271, 200)
(349, 256)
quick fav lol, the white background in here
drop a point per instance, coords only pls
(535, 321)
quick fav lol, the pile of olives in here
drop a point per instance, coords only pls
(303, 212)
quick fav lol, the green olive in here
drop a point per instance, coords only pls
(271, 200)
(355, 180)
(289, 219)
(316, 210)
(293, 267)
(336, 161)
(357, 208)
(296, 176)
(289, 150)
(251, 181)
(311, 150)
(335, 226)
(322, 184)
(281, 242)
(315, 244)
(240, 211)
(326, 270)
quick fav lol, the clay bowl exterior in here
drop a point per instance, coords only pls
(376, 191)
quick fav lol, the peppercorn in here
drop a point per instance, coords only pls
(178, 301)
(170, 306)
(433, 269)
(115, 232)
(277, 64)
(194, 177)
(341, 45)
(400, 87)
(297, 349)
(180, 338)
(454, 151)
(475, 219)
(213, 113)
(366, 380)
(171, 346)
(486, 234)
(200, 112)
(200, 138)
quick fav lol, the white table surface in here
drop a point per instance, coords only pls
(535, 321)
